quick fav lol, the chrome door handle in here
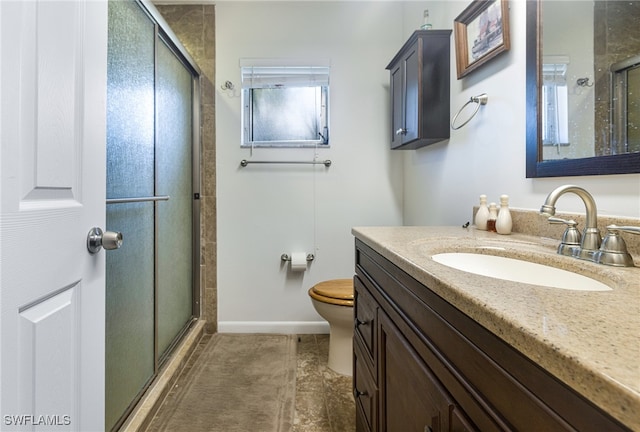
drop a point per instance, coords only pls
(401, 131)
(97, 239)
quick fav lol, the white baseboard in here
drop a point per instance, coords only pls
(277, 327)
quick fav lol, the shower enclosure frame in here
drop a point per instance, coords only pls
(164, 34)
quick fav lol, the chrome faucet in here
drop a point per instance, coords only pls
(591, 240)
(613, 250)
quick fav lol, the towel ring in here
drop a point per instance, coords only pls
(481, 99)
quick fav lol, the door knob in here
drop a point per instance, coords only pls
(97, 239)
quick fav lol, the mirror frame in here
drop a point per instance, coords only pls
(535, 167)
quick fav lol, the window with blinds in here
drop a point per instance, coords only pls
(285, 105)
(555, 105)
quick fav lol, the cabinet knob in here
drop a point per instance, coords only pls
(401, 131)
(359, 323)
(357, 393)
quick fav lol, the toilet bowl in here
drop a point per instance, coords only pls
(333, 300)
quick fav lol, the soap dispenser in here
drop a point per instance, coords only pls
(482, 215)
(493, 216)
(504, 222)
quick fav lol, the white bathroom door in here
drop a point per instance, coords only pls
(52, 192)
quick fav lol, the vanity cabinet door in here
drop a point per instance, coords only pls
(412, 399)
(365, 318)
(365, 392)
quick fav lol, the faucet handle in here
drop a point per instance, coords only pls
(570, 239)
(557, 220)
(613, 250)
(629, 229)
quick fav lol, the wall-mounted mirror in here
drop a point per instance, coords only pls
(583, 87)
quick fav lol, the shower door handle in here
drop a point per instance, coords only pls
(97, 239)
(137, 199)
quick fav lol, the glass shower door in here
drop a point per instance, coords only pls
(130, 324)
(173, 178)
(150, 200)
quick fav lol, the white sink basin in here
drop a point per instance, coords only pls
(516, 270)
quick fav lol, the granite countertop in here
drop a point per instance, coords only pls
(590, 340)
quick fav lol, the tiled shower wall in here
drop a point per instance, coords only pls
(611, 47)
(194, 25)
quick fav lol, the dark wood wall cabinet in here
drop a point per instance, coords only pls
(421, 365)
(420, 88)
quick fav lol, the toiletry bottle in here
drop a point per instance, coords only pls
(426, 25)
(482, 215)
(493, 216)
(504, 222)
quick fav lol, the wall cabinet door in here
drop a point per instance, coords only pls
(412, 71)
(397, 107)
(404, 96)
(420, 90)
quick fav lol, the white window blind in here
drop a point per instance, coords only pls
(290, 76)
(277, 73)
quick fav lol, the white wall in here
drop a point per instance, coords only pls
(264, 211)
(267, 210)
(442, 182)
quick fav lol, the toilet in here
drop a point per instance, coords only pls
(333, 300)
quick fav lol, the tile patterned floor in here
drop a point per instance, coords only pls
(324, 399)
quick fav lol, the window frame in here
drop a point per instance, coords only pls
(278, 74)
(619, 114)
(554, 96)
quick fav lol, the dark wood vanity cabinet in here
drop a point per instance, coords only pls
(421, 365)
(394, 388)
(365, 389)
(411, 397)
(420, 81)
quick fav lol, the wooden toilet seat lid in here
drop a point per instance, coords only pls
(335, 291)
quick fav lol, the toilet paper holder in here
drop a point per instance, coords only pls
(286, 257)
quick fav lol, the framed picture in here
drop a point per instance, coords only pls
(481, 33)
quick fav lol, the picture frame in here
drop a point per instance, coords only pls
(481, 33)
